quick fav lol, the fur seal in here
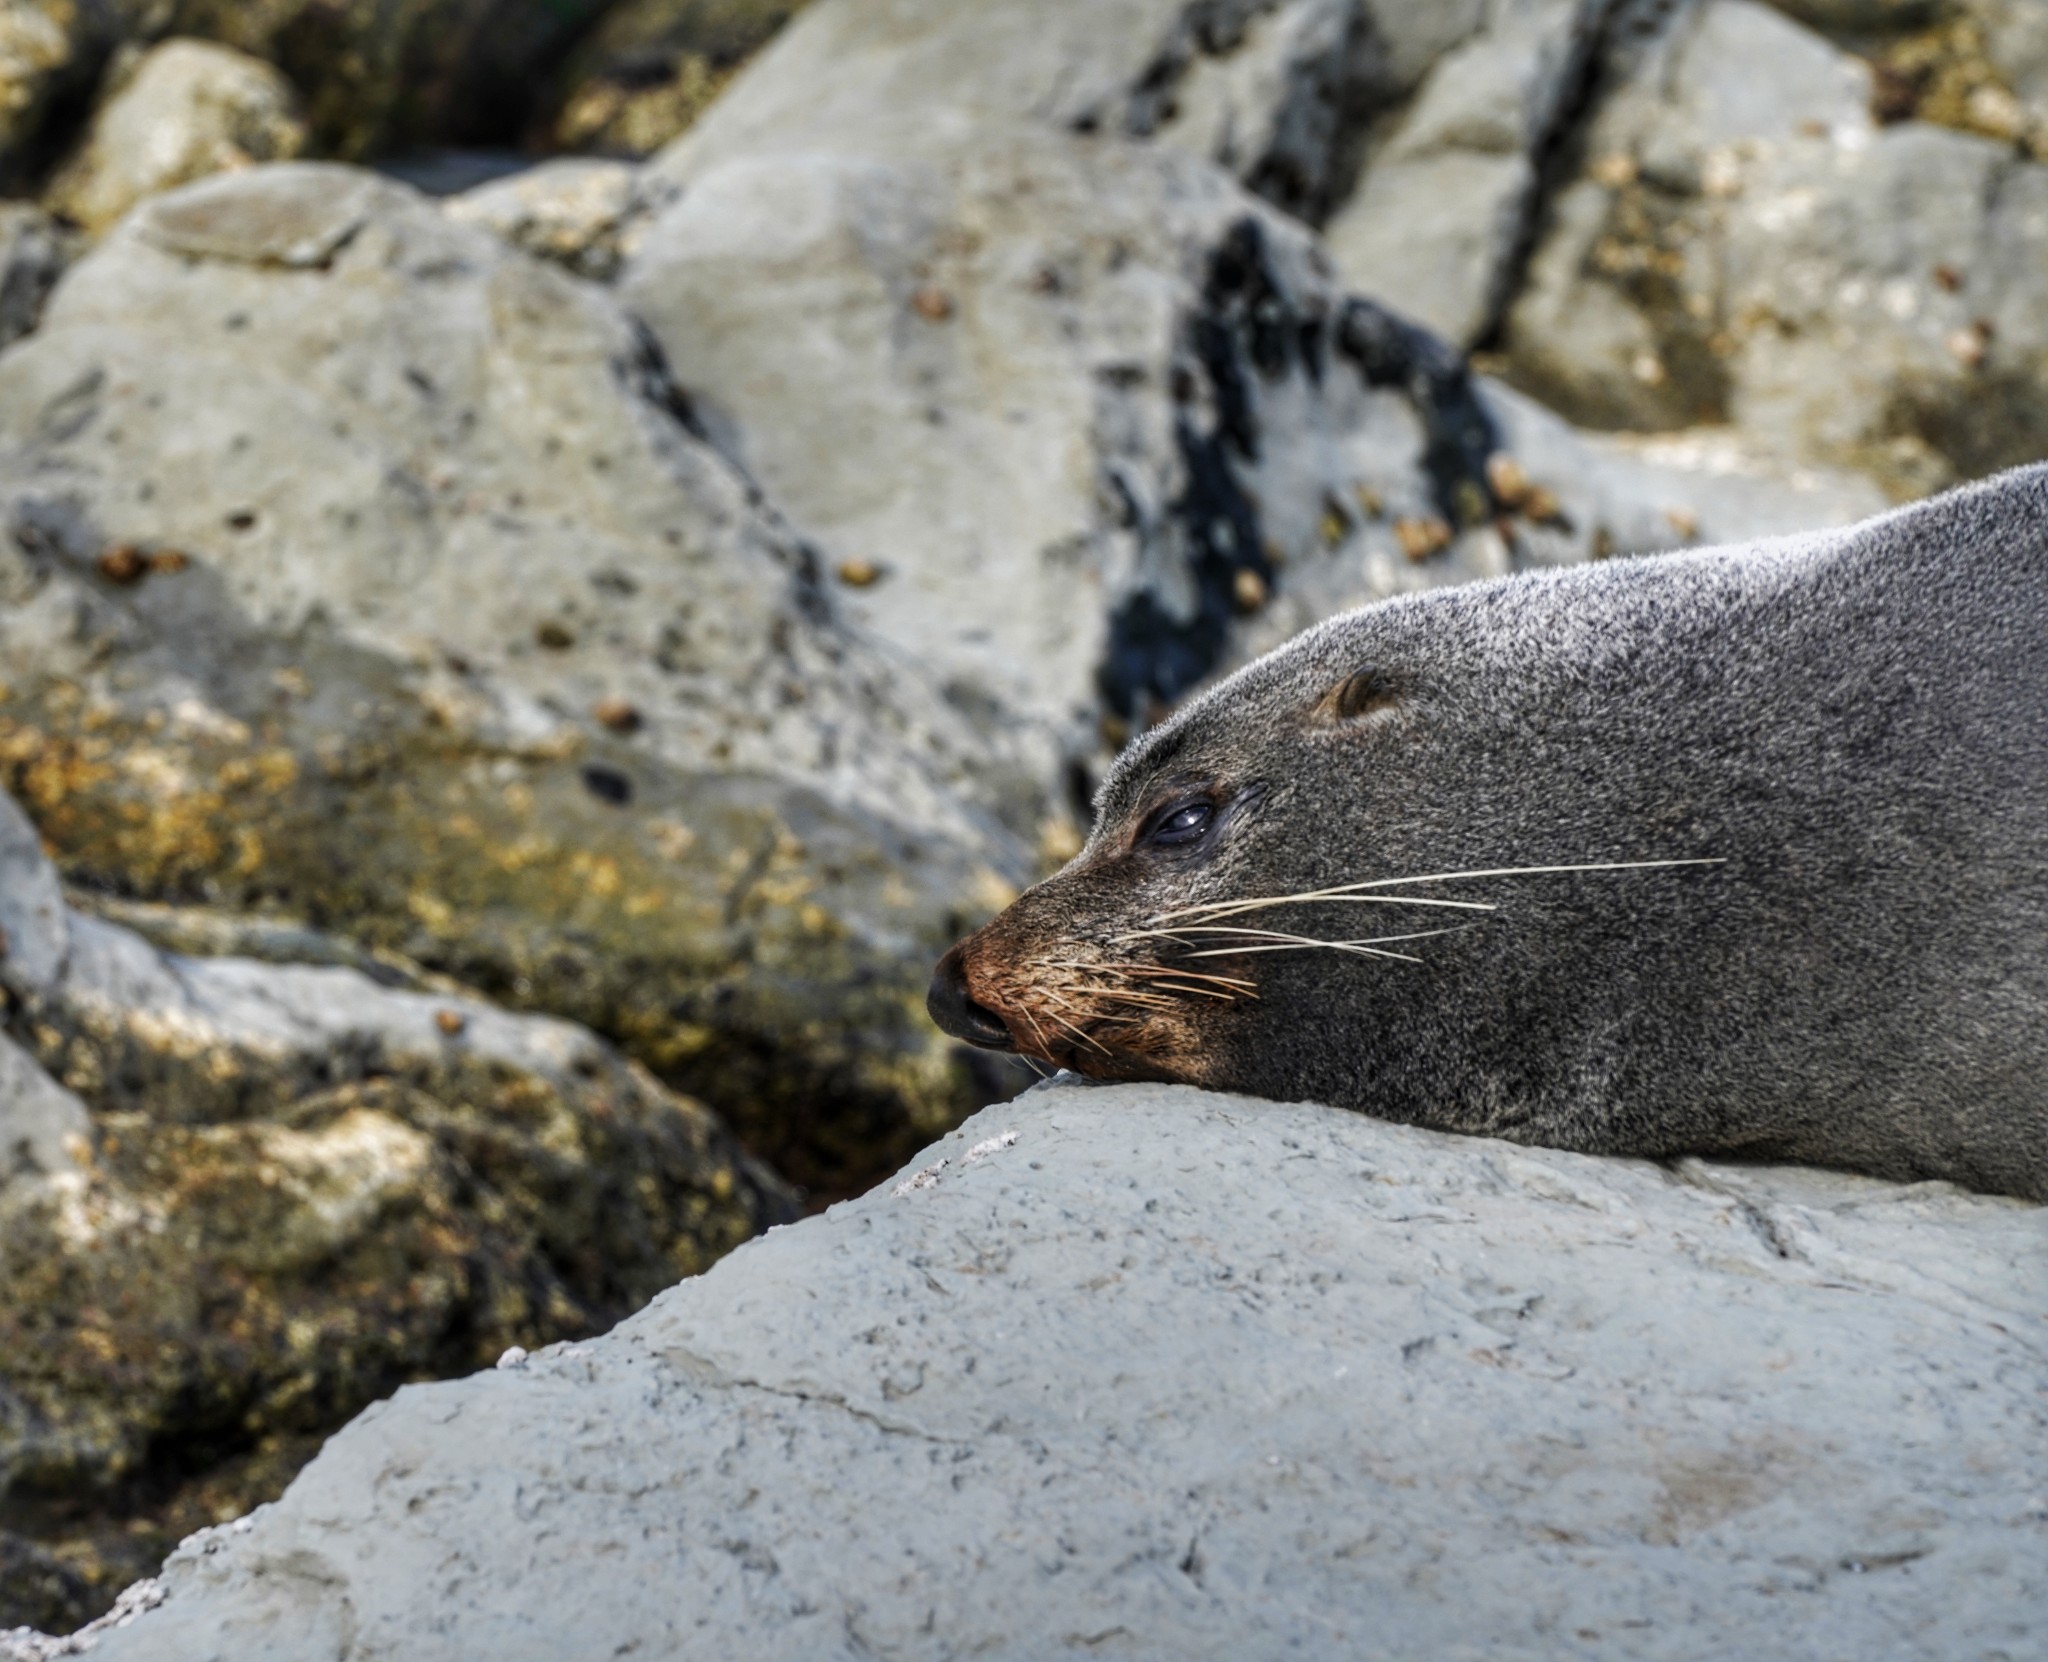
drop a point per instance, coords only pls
(1739, 852)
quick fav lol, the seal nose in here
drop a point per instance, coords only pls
(954, 1009)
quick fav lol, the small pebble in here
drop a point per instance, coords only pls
(124, 564)
(1511, 486)
(932, 303)
(1420, 538)
(450, 1022)
(859, 574)
(617, 714)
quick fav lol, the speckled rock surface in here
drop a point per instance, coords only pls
(1140, 1372)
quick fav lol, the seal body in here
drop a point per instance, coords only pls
(1805, 787)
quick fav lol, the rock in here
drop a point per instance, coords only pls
(1162, 1374)
(1980, 66)
(294, 1188)
(1279, 93)
(34, 250)
(1749, 245)
(1444, 213)
(574, 212)
(375, 76)
(650, 67)
(42, 1125)
(187, 108)
(48, 50)
(1092, 377)
(335, 522)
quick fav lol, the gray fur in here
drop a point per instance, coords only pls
(1855, 722)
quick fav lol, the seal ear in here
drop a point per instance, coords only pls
(1362, 696)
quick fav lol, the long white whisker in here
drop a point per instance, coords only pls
(1357, 890)
(1306, 946)
(1277, 940)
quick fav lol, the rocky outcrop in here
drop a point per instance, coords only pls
(1750, 242)
(367, 572)
(974, 341)
(185, 109)
(238, 1200)
(1156, 1374)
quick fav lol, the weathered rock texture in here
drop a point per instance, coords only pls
(1138, 1372)
(977, 341)
(34, 250)
(368, 572)
(573, 211)
(1442, 218)
(238, 1200)
(185, 109)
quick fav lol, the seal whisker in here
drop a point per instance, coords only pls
(1298, 946)
(1122, 995)
(1083, 1037)
(1278, 940)
(1352, 891)
(1156, 971)
(1225, 908)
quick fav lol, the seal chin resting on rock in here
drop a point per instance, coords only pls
(1737, 852)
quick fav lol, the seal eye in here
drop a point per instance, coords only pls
(1179, 824)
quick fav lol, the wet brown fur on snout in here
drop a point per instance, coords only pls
(1105, 1005)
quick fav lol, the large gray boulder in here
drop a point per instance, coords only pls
(1074, 416)
(239, 1199)
(1140, 1372)
(369, 572)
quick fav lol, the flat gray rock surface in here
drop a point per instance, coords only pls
(1143, 1372)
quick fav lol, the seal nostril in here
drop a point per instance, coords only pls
(954, 1009)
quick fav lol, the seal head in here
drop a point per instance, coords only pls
(1739, 852)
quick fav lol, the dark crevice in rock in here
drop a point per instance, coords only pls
(1558, 153)
(1251, 328)
(1312, 160)
(1240, 329)
(1389, 351)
